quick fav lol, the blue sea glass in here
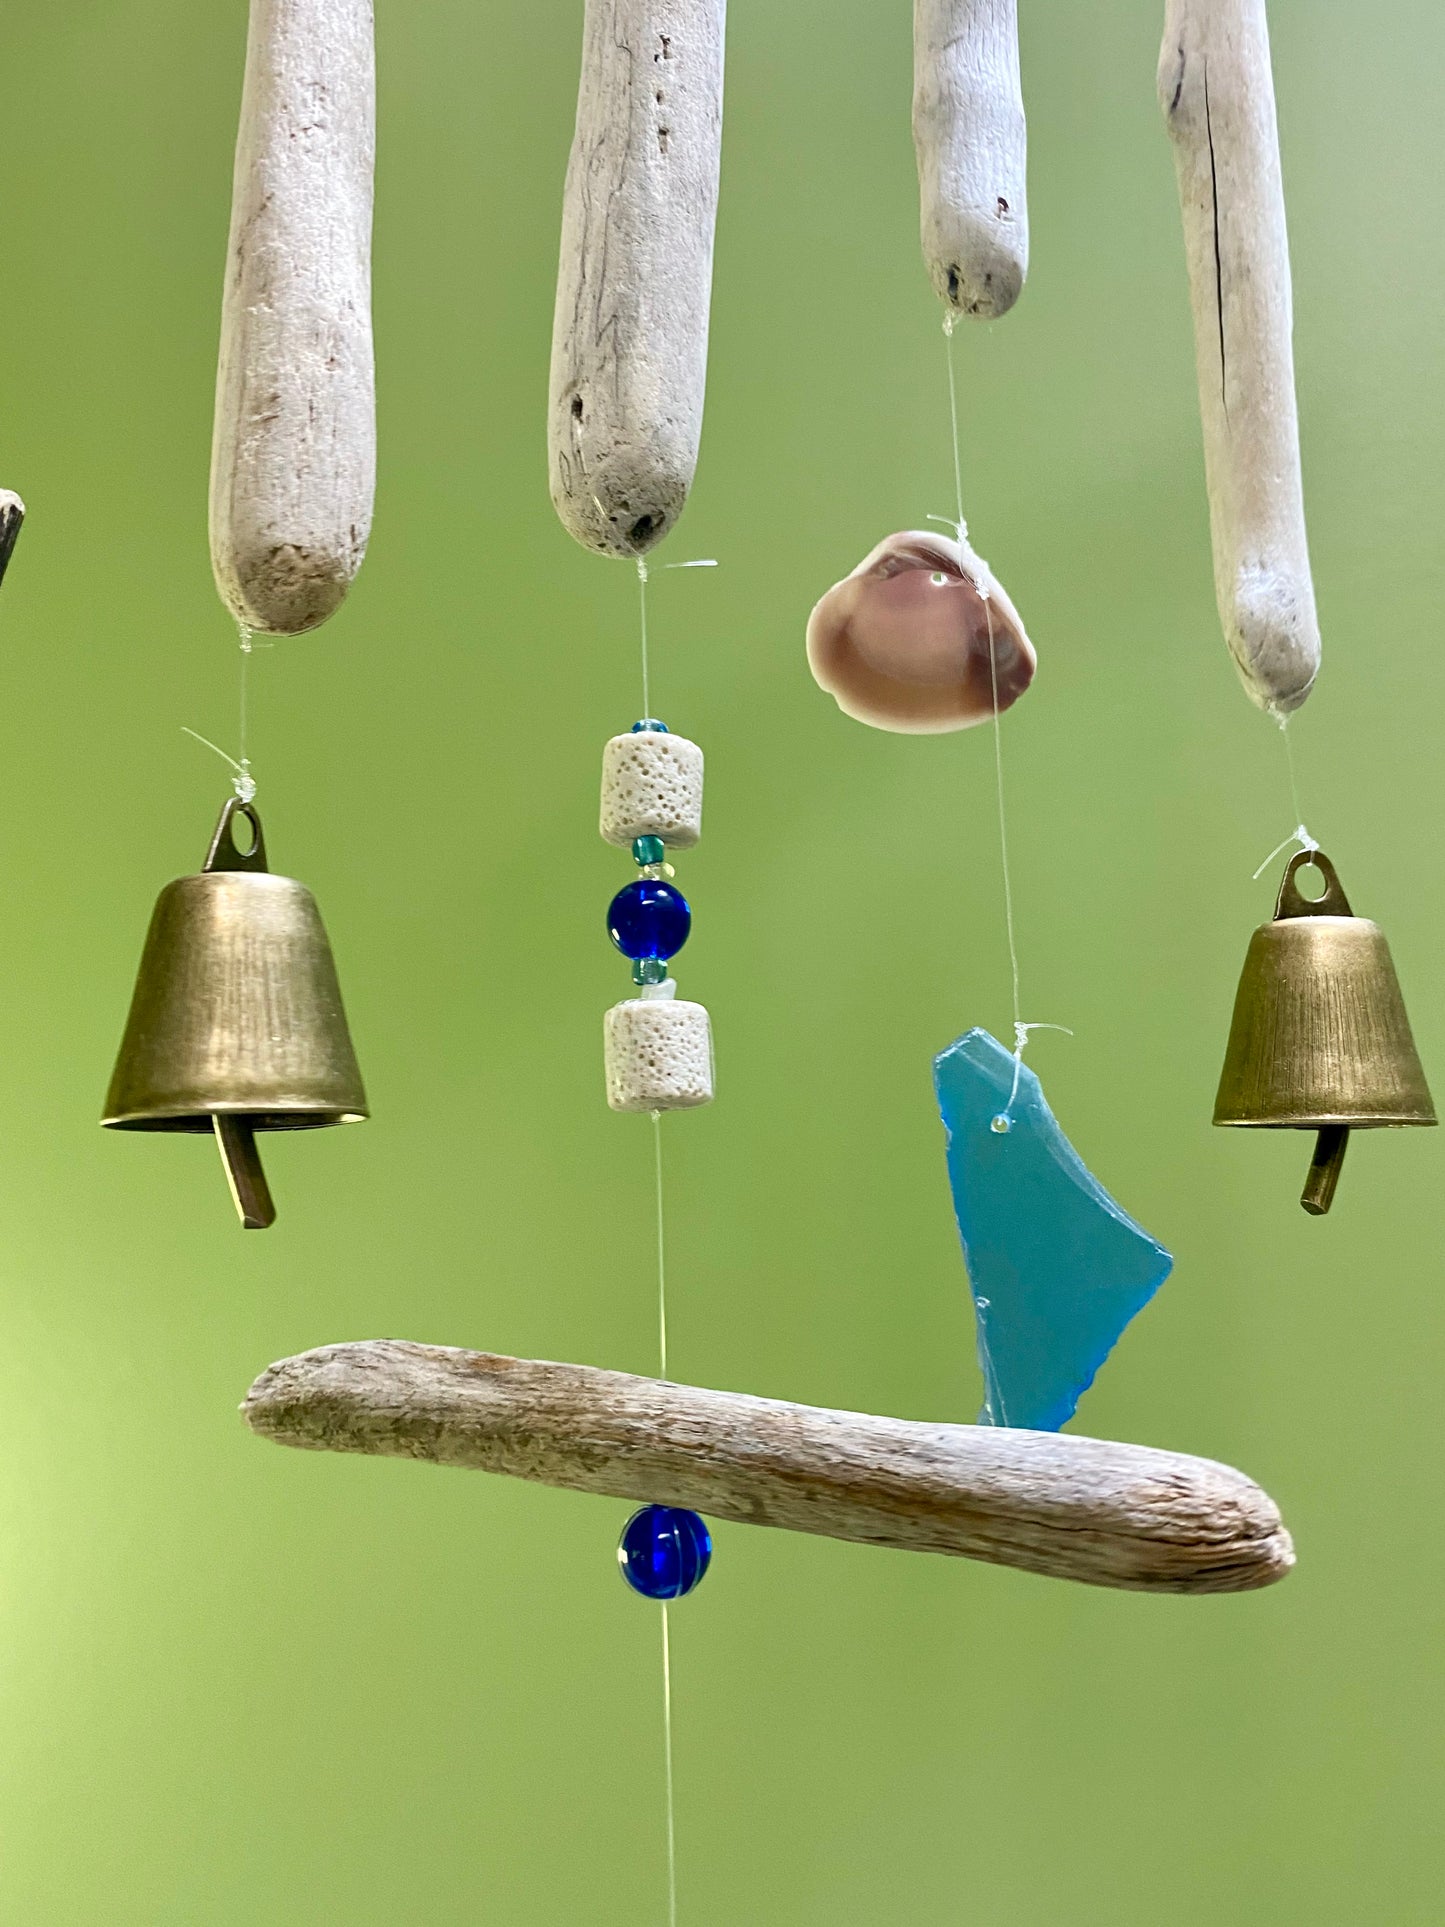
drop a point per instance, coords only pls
(664, 1552)
(1057, 1270)
(649, 918)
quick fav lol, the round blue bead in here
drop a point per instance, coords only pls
(649, 723)
(664, 1551)
(649, 919)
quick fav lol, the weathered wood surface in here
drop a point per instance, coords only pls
(1217, 93)
(293, 459)
(1073, 1508)
(971, 144)
(12, 515)
(629, 338)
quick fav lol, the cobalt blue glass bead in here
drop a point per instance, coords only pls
(664, 1551)
(649, 918)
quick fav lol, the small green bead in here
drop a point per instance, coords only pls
(649, 849)
(649, 970)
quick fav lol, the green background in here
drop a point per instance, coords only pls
(241, 1685)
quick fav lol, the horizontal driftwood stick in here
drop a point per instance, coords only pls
(1073, 1508)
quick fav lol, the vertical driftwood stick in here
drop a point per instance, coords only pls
(969, 135)
(1217, 93)
(629, 340)
(293, 460)
(12, 514)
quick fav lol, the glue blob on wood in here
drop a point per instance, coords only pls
(919, 637)
(971, 142)
(629, 340)
(1217, 93)
(293, 460)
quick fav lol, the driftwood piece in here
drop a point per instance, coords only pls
(1073, 1508)
(12, 515)
(293, 459)
(629, 338)
(971, 142)
(1217, 93)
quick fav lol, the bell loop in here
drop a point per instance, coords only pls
(1292, 902)
(224, 853)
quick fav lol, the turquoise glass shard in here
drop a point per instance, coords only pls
(1057, 1270)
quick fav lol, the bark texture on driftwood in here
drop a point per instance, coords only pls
(971, 143)
(12, 515)
(629, 339)
(1217, 93)
(293, 459)
(1073, 1508)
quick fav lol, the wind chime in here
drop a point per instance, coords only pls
(237, 1025)
(921, 637)
(629, 372)
(1319, 1040)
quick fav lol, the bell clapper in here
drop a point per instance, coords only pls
(244, 1173)
(1325, 1167)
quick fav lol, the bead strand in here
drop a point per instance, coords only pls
(658, 1047)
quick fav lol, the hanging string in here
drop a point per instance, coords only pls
(666, 1630)
(241, 781)
(247, 644)
(667, 1760)
(984, 584)
(661, 1220)
(1299, 834)
(661, 1246)
(642, 581)
(642, 612)
(1021, 1029)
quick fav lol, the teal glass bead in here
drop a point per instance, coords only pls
(648, 849)
(649, 970)
(649, 722)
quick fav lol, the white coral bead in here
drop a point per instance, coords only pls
(652, 786)
(659, 1055)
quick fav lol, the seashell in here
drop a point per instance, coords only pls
(919, 637)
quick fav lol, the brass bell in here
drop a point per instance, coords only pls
(1320, 1040)
(236, 1025)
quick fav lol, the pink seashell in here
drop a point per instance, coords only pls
(918, 637)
